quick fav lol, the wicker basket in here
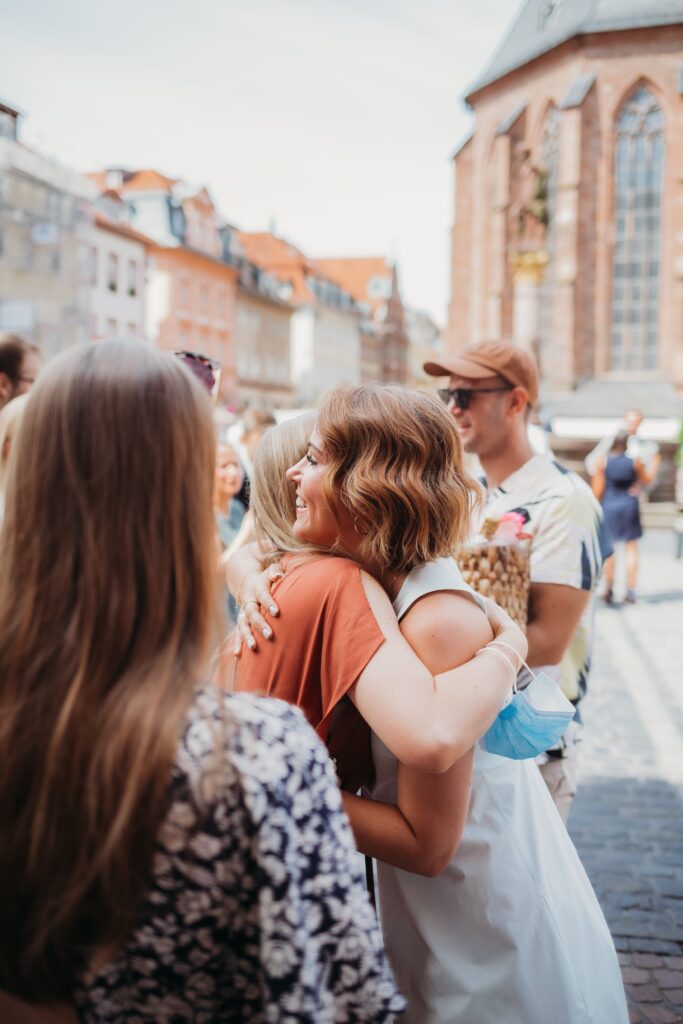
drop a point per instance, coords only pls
(500, 571)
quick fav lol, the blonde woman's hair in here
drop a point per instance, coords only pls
(10, 417)
(272, 496)
(108, 591)
(395, 464)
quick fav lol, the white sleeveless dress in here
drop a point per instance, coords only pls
(511, 931)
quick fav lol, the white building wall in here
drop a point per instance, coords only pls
(336, 358)
(46, 234)
(326, 350)
(117, 311)
(302, 353)
(157, 300)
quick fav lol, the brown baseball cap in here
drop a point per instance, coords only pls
(492, 358)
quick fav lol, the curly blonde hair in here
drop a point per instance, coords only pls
(396, 466)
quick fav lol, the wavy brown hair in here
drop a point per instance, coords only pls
(396, 466)
(108, 591)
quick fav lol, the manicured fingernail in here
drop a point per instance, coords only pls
(237, 649)
(267, 632)
(251, 643)
(273, 609)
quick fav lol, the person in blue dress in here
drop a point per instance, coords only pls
(616, 483)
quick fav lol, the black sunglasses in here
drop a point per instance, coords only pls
(461, 397)
(207, 370)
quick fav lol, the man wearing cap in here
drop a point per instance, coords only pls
(491, 391)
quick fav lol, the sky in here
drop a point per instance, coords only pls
(332, 121)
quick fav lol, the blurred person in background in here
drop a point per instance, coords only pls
(228, 509)
(255, 422)
(615, 484)
(169, 851)
(207, 371)
(638, 447)
(20, 364)
(10, 417)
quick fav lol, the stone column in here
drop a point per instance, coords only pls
(527, 269)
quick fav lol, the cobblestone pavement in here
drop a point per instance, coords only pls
(627, 819)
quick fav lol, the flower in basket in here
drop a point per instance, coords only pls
(505, 529)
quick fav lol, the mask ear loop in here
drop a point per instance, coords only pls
(502, 643)
(490, 649)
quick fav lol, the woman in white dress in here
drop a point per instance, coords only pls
(511, 929)
(506, 927)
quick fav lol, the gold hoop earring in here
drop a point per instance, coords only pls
(363, 533)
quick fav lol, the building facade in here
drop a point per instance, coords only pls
(191, 291)
(325, 340)
(117, 275)
(373, 283)
(568, 230)
(45, 244)
(425, 344)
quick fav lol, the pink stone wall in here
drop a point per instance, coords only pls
(481, 278)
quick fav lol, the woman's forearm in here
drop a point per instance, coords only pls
(238, 565)
(429, 721)
(381, 831)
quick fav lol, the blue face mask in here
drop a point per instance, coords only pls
(532, 722)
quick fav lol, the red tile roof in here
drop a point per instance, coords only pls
(280, 258)
(146, 179)
(354, 274)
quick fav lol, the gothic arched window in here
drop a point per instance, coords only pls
(639, 178)
(548, 165)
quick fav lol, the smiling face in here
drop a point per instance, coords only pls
(229, 473)
(483, 426)
(316, 523)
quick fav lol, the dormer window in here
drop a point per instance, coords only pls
(379, 287)
(113, 179)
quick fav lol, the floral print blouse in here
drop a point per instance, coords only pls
(257, 911)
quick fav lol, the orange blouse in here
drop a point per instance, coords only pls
(325, 635)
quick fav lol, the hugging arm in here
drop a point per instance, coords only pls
(249, 583)
(428, 722)
(422, 833)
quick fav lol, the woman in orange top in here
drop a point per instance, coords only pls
(339, 635)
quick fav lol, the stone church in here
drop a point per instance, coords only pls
(568, 230)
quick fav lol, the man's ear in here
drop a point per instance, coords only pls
(518, 400)
(6, 389)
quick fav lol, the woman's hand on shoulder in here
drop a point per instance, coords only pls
(505, 630)
(254, 597)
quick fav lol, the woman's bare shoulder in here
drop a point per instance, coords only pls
(448, 624)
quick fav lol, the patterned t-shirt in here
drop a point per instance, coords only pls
(569, 544)
(258, 910)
